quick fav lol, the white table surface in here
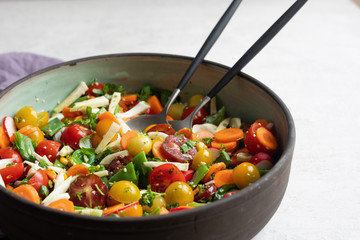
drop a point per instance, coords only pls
(313, 64)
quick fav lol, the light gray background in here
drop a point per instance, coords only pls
(313, 65)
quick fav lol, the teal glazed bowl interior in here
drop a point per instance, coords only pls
(240, 216)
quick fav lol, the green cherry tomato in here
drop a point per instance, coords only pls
(245, 174)
(125, 192)
(26, 116)
(158, 202)
(138, 144)
(203, 157)
(179, 192)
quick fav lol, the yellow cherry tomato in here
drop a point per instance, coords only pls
(203, 157)
(134, 211)
(176, 111)
(159, 201)
(148, 128)
(43, 118)
(125, 192)
(26, 116)
(103, 126)
(245, 174)
(195, 100)
(36, 136)
(179, 192)
(138, 144)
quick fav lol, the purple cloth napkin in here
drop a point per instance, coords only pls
(16, 65)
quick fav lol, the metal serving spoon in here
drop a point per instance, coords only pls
(241, 63)
(141, 122)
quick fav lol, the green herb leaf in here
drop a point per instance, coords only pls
(185, 147)
(216, 118)
(25, 147)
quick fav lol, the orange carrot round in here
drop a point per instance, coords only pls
(156, 150)
(126, 138)
(229, 135)
(50, 173)
(4, 140)
(129, 98)
(213, 170)
(187, 133)
(230, 146)
(108, 115)
(63, 205)
(155, 104)
(266, 138)
(28, 192)
(223, 177)
(77, 169)
(204, 134)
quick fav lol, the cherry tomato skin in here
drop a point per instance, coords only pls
(125, 192)
(245, 174)
(92, 87)
(38, 179)
(189, 174)
(26, 116)
(164, 175)
(172, 151)
(228, 194)
(179, 192)
(200, 115)
(48, 148)
(163, 127)
(73, 133)
(15, 171)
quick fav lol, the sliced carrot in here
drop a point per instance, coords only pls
(230, 146)
(266, 138)
(187, 133)
(229, 135)
(129, 98)
(126, 138)
(169, 118)
(155, 104)
(27, 130)
(28, 192)
(91, 97)
(112, 209)
(163, 211)
(156, 150)
(213, 170)
(77, 169)
(63, 205)
(50, 173)
(204, 134)
(108, 115)
(223, 177)
(9, 187)
(4, 140)
(68, 114)
(196, 191)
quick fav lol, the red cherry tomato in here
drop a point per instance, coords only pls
(92, 87)
(172, 151)
(48, 148)
(14, 171)
(165, 128)
(73, 133)
(38, 179)
(200, 115)
(260, 139)
(162, 176)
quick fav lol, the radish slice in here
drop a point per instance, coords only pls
(9, 126)
(262, 161)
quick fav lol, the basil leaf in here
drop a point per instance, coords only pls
(25, 147)
(216, 118)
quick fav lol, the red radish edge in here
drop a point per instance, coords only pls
(9, 126)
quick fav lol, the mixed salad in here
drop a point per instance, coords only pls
(82, 157)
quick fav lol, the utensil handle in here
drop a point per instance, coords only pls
(211, 39)
(214, 35)
(257, 47)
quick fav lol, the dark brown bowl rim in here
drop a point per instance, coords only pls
(248, 191)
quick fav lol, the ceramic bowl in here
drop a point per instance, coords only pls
(240, 216)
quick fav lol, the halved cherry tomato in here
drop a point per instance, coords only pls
(73, 133)
(162, 176)
(260, 139)
(92, 87)
(48, 148)
(200, 115)
(165, 128)
(14, 171)
(38, 179)
(172, 151)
